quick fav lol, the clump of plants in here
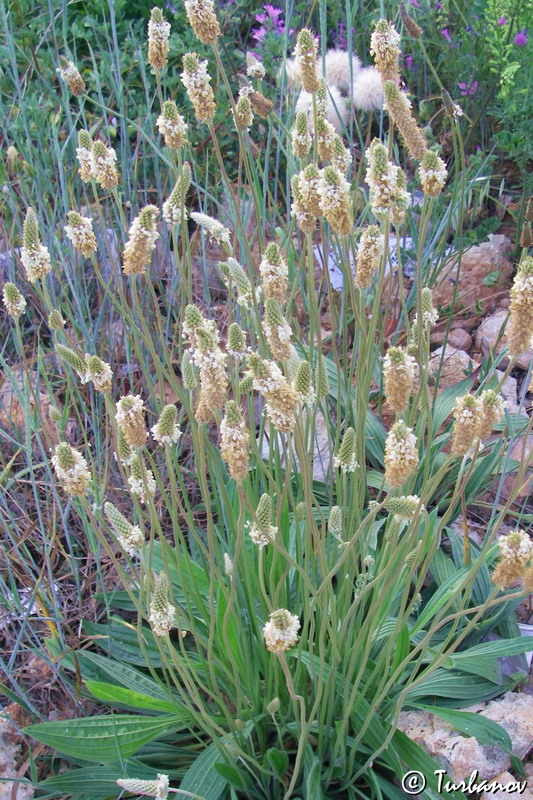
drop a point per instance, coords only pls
(278, 602)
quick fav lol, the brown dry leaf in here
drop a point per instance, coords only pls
(12, 412)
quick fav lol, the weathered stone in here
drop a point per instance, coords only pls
(491, 340)
(455, 364)
(10, 745)
(520, 451)
(512, 788)
(457, 337)
(477, 264)
(509, 392)
(461, 755)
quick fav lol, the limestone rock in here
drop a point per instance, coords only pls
(509, 392)
(460, 755)
(488, 339)
(457, 337)
(521, 449)
(10, 745)
(505, 779)
(476, 265)
(454, 364)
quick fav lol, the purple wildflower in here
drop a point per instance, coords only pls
(414, 3)
(502, 21)
(409, 62)
(341, 37)
(170, 8)
(521, 38)
(438, 5)
(468, 88)
(272, 11)
(447, 36)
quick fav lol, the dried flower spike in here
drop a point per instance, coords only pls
(210, 360)
(306, 55)
(334, 192)
(520, 326)
(369, 255)
(305, 220)
(161, 612)
(325, 135)
(171, 125)
(201, 14)
(34, 255)
(399, 107)
(197, 82)
(130, 420)
(103, 165)
(526, 236)
(71, 470)
(409, 24)
(158, 35)
(388, 195)
(14, 301)
(261, 105)
(493, 411)
(384, 48)
(142, 238)
(69, 73)
(234, 441)
(80, 232)
(401, 454)
(399, 370)
(516, 554)
(468, 415)
(281, 399)
(166, 430)
(281, 631)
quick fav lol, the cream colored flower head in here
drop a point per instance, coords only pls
(80, 232)
(158, 36)
(70, 74)
(281, 631)
(157, 788)
(161, 612)
(34, 255)
(14, 301)
(71, 470)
